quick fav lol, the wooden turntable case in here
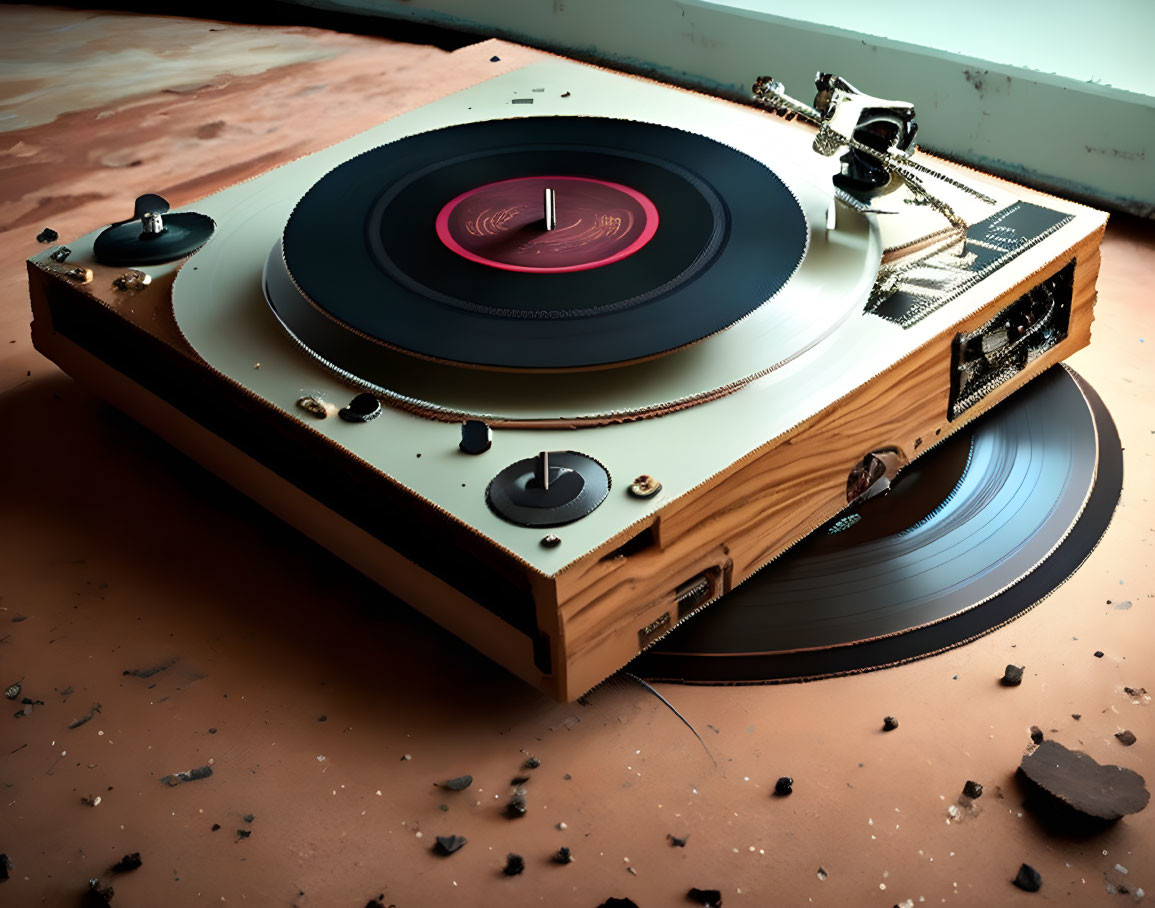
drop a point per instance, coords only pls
(566, 631)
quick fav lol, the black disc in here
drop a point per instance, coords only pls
(1039, 480)
(127, 244)
(577, 485)
(364, 250)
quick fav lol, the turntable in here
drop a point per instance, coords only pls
(566, 356)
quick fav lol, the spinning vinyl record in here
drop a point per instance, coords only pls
(972, 535)
(536, 243)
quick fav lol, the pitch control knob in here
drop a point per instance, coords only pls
(153, 235)
(552, 489)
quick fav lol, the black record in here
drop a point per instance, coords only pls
(364, 250)
(971, 536)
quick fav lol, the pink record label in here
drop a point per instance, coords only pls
(503, 225)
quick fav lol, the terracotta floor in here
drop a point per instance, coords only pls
(328, 711)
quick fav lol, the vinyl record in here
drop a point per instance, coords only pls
(972, 535)
(435, 245)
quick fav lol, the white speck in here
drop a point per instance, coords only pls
(693, 791)
(745, 778)
(1139, 893)
(100, 733)
(752, 849)
(885, 874)
(378, 792)
(418, 834)
(882, 886)
(407, 756)
(822, 874)
(1120, 868)
(561, 826)
(870, 822)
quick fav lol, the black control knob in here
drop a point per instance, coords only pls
(153, 235)
(476, 437)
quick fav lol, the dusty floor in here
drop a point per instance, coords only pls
(196, 631)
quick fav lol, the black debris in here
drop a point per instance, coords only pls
(565, 94)
(248, 818)
(149, 672)
(784, 786)
(47, 235)
(563, 856)
(516, 806)
(1076, 716)
(567, 777)
(1098, 654)
(519, 780)
(447, 844)
(216, 826)
(1125, 737)
(322, 718)
(712, 898)
(127, 863)
(495, 59)
(618, 903)
(1036, 734)
(889, 723)
(531, 763)
(12, 691)
(458, 784)
(87, 717)
(514, 864)
(5, 866)
(362, 408)
(973, 789)
(1133, 692)
(61, 254)
(244, 833)
(677, 841)
(191, 775)
(1028, 879)
(212, 731)
(1012, 675)
(1076, 782)
(96, 896)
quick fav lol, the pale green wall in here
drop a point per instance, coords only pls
(1055, 93)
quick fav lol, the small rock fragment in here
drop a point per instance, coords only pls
(244, 833)
(889, 723)
(514, 864)
(448, 844)
(96, 895)
(1028, 879)
(47, 235)
(677, 841)
(1036, 734)
(191, 775)
(711, 898)
(458, 784)
(5, 866)
(519, 780)
(12, 691)
(618, 903)
(495, 59)
(127, 863)
(1077, 781)
(1125, 737)
(216, 826)
(1098, 654)
(405, 757)
(248, 817)
(563, 856)
(784, 786)
(531, 763)
(516, 806)
(1012, 675)
(973, 789)
(1076, 716)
